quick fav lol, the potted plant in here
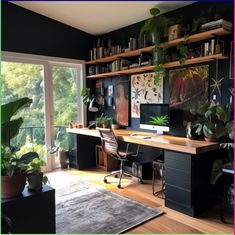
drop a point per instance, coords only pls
(103, 121)
(60, 149)
(13, 167)
(214, 121)
(115, 125)
(157, 28)
(35, 175)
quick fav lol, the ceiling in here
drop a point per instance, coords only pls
(101, 16)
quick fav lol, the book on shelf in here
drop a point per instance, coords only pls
(216, 24)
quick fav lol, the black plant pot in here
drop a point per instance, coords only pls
(35, 181)
(63, 156)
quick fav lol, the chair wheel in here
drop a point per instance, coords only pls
(119, 186)
(116, 176)
(141, 181)
(105, 181)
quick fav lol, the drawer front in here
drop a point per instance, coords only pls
(179, 161)
(178, 178)
(178, 195)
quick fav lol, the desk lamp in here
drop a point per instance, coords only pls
(93, 107)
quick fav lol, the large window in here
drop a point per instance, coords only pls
(53, 85)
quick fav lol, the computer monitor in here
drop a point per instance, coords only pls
(155, 117)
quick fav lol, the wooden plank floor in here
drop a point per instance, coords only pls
(171, 222)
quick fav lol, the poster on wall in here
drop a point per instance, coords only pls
(122, 103)
(188, 87)
(143, 90)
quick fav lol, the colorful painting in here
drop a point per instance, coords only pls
(122, 103)
(144, 90)
(188, 87)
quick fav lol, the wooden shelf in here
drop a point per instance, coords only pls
(193, 38)
(167, 65)
(121, 55)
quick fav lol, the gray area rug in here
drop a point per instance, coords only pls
(83, 208)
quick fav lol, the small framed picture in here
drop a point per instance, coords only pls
(110, 90)
(231, 67)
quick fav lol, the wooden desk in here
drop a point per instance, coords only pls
(188, 164)
(162, 141)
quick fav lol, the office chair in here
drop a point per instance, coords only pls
(110, 146)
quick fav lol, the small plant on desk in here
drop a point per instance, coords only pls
(159, 120)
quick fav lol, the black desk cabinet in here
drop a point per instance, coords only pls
(187, 177)
(82, 151)
(33, 212)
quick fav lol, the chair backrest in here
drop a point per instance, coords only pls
(108, 141)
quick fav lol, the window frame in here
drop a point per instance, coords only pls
(48, 62)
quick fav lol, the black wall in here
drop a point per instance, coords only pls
(27, 32)
(208, 10)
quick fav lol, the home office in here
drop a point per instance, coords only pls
(134, 116)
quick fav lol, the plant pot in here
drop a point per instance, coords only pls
(13, 186)
(115, 126)
(63, 156)
(210, 139)
(35, 181)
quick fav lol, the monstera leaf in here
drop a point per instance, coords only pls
(10, 109)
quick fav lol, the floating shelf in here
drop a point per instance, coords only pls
(167, 65)
(193, 38)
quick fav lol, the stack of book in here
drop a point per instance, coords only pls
(115, 66)
(216, 24)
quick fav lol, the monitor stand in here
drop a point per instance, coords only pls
(157, 133)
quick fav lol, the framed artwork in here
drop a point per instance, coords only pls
(122, 103)
(189, 87)
(144, 90)
(231, 65)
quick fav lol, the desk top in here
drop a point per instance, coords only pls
(161, 141)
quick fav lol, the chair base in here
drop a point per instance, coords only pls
(120, 173)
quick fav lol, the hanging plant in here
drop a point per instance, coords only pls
(86, 96)
(183, 51)
(156, 28)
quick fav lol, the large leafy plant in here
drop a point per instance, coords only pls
(214, 121)
(11, 163)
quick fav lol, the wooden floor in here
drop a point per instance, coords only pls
(171, 222)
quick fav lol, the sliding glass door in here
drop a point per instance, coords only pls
(53, 84)
(65, 83)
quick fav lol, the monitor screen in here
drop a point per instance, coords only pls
(154, 117)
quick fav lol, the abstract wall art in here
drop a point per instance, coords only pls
(189, 87)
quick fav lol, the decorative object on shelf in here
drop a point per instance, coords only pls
(14, 166)
(231, 65)
(188, 87)
(122, 103)
(217, 83)
(91, 70)
(144, 89)
(174, 32)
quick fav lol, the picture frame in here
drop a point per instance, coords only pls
(231, 61)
